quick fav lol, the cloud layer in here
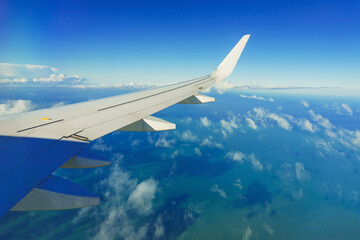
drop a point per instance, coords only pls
(16, 74)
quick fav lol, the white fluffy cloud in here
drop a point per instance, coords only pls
(306, 125)
(127, 197)
(159, 228)
(236, 156)
(282, 122)
(324, 122)
(175, 154)
(255, 162)
(305, 103)
(219, 191)
(240, 157)
(205, 121)
(221, 87)
(101, 146)
(14, 107)
(188, 136)
(263, 117)
(197, 152)
(251, 123)
(142, 196)
(262, 114)
(162, 142)
(186, 120)
(228, 126)
(16, 74)
(209, 142)
(301, 173)
(347, 108)
(237, 184)
(355, 137)
(247, 233)
(268, 229)
(257, 98)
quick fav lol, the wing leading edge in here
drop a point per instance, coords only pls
(48, 138)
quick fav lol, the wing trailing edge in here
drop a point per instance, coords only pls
(149, 124)
(86, 159)
(197, 99)
(56, 193)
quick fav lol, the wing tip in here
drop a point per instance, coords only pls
(227, 66)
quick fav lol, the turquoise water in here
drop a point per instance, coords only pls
(292, 174)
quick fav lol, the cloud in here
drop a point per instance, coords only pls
(324, 145)
(290, 173)
(186, 120)
(208, 142)
(16, 74)
(324, 122)
(224, 86)
(330, 133)
(175, 154)
(128, 86)
(348, 138)
(347, 108)
(101, 146)
(282, 122)
(297, 194)
(135, 143)
(260, 112)
(286, 173)
(189, 136)
(305, 103)
(251, 123)
(228, 126)
(237, 156)
(205, 121)
(219, 191)
(302, 123)
(237, 184)
(268, 229)
(301, 173)
(197, 152)
(356, 138)
(162, 142)
(142, 196)
(306, 125)
(12, 107)
(159, 228)
(247, 233)
(262, 115)
(255, 162)
(257, 98)
(221, 87)
(128, 201)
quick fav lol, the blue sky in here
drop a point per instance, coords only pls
(296, 43)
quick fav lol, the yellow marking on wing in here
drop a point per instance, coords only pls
(46, 119)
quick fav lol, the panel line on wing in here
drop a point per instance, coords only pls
(41, 125)
(116, 105)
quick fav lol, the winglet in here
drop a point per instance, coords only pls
(228, 64)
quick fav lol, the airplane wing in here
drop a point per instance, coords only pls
(35, 144)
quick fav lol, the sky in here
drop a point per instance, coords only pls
(293, 43)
